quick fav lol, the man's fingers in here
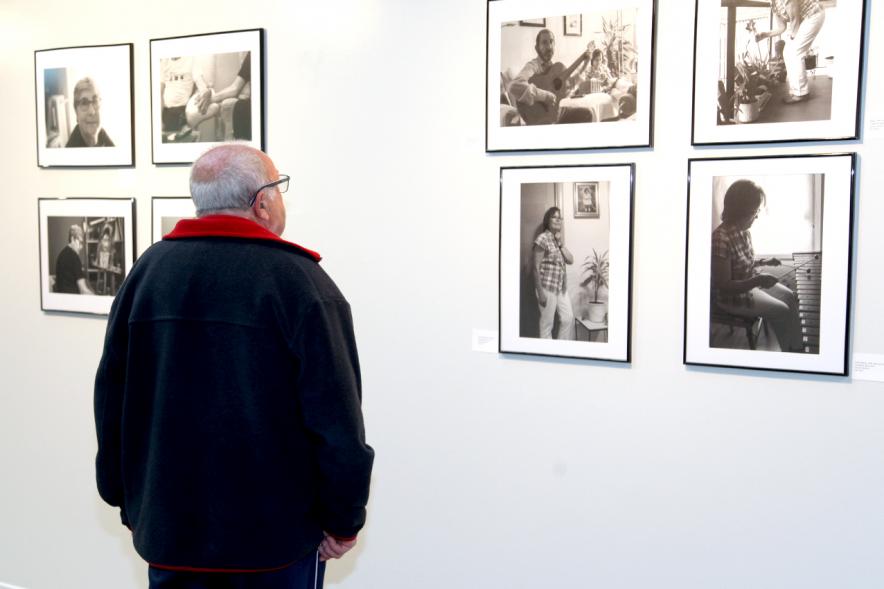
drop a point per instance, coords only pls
(331, 548)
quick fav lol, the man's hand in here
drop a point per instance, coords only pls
(332, 548)
(204, 100)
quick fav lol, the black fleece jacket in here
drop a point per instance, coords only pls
(227, 402)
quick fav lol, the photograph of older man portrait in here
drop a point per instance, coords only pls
(84, 98)
(73, 119)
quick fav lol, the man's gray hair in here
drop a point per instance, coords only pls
(226, 177)
(81, 86)
(75, 232)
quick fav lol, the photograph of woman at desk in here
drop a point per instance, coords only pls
(756, 284)
(769, 262)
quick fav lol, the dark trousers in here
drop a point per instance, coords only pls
(307, 573)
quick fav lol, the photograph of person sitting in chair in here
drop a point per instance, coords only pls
(559, 74)
(86, 254)
(766, 263)
(206, 98)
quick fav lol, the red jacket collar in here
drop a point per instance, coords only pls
(229, 226)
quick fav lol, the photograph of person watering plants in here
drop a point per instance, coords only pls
(783, 72)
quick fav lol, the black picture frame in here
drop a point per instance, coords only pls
(105, 244)
(727, 110)
(200, 96)
(802, 235)
(586, 203)
(574, 26)
(601, 312)
(103, 126)
(593, 110)
(167, 210)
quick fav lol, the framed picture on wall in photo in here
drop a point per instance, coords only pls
(765, 74)
(84, 100)
(768, 263)
(166, 211)
(582, 81)
(87, 247)
(205, 90)
(565, 278)
(586, 200)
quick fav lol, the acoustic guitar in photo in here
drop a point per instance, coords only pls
(554, 80)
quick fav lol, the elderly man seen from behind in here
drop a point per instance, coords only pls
(227, 400)
(87, 105)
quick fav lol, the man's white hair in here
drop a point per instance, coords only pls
(226, 177)
(82, 85)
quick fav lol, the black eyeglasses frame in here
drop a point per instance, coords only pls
(283, 179)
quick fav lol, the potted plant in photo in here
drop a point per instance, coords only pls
(751, 89)
(595, 269)
(752, 80)
(620, 54)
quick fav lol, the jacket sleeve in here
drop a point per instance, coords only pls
(109, 386)
(331, 394)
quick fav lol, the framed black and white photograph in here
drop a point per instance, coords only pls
(777, 70)
(565, 279)
(87, 247)
(582, 81)
(84, 100)
(205, 90)
(769, 262)
(166, 211)
(586, 201)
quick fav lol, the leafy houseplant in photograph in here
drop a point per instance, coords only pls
(620, 54)
(751, 88)
(595, 269)
(753, 80)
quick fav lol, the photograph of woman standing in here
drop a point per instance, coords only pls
(550, 258)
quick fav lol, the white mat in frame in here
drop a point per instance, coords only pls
(618, 182)
(836, 261)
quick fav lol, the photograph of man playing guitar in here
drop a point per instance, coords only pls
(542, 83)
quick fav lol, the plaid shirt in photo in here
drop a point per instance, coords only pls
(806, 8)
(552, 266)
(734, 245)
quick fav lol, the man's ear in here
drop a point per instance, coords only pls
(260, 209)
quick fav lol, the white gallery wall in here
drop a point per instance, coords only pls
(491, 471)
